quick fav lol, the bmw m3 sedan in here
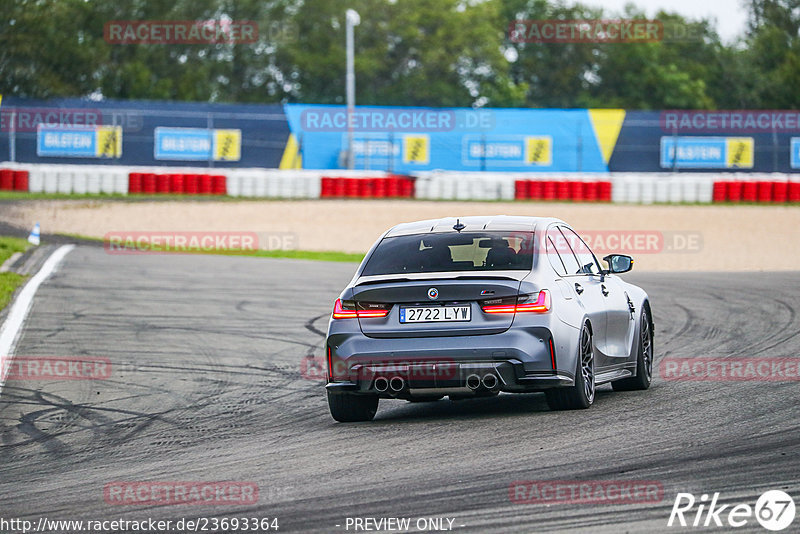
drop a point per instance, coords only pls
(474, 306)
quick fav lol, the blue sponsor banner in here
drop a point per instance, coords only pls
(264, 130)
(693, 152)
(375, 149)
(707, 152)
(794, 153)
(66, 141)
(454, 138)
(479, 150)
(188, 144)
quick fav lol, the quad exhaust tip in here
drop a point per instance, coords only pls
(397, 384)
(490, 381)
(381, 384)
(473, 382)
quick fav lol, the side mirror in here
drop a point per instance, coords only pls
(618, 263)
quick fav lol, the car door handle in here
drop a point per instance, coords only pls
(604, 289)
(578, 288)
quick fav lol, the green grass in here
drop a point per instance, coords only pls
(9, 282)
(316, 255)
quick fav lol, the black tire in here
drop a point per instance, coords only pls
(580, 395)
(350, 408)
(644, 359)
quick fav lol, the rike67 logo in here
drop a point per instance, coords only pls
(774, 510)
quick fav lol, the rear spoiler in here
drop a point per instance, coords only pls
(371, 280)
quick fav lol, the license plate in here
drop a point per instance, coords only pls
(435, 314)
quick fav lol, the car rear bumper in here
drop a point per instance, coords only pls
(512, 384)
(519, 358)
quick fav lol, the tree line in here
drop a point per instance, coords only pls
(408, 52)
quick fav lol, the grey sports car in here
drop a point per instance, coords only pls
(475, 306)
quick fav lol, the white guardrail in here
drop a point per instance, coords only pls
(638, 188)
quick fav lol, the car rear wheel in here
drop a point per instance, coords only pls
(350, 408)
(581, 394)
(644, 360)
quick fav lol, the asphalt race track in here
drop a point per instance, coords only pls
(206, 385)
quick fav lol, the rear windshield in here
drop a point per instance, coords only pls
(447, 252)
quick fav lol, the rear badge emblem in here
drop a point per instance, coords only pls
(433, 293)
(485, 292)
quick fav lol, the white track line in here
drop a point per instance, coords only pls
(10, 330)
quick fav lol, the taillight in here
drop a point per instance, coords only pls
(520, 304)
(540, 305)
(372, 309)
(344, 310)
(348, 309)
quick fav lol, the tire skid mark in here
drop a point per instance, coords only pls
(313, 329)
(232, 402)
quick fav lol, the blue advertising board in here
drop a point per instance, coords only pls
(405, 139)
(70, 141)
(197, 144)
(245, 135)
(794, 153)
(78, 141)
(373, 149)
(478, 150)
(682, 152)
(188, 144)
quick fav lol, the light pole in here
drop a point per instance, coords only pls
(353, 19)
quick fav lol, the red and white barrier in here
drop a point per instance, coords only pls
(14, 179)
(447, 185)
(390, 186)
(636, 188)
(764, 188)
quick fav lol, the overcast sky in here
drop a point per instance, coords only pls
(731, 16)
